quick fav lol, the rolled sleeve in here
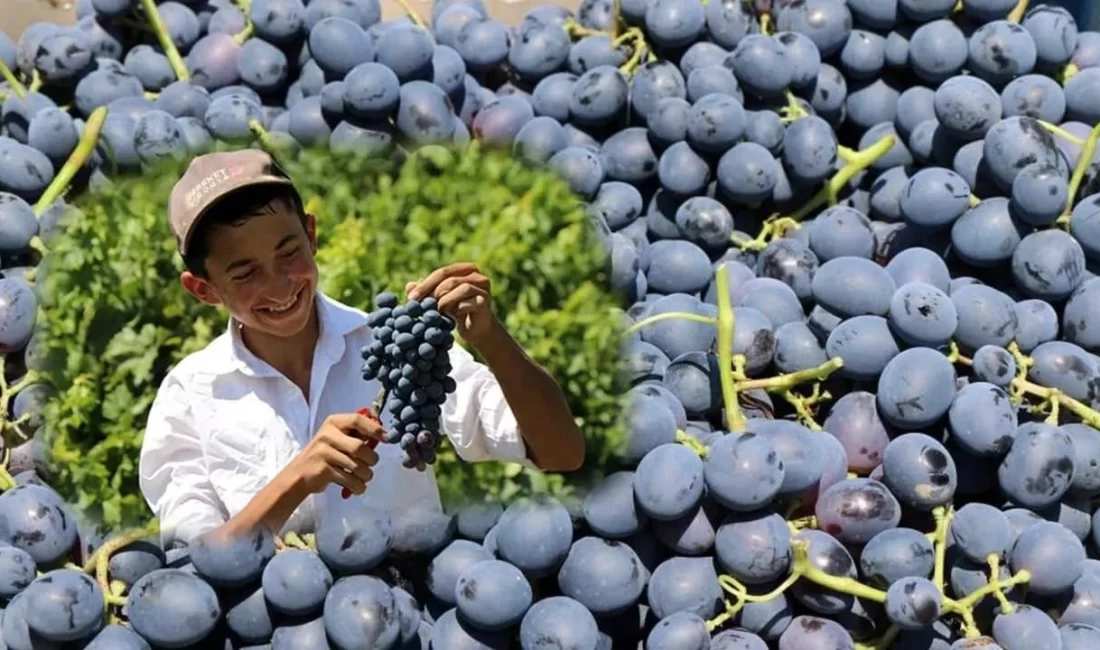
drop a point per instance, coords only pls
(173, 475)
(477, 418)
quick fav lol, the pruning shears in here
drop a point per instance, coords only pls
(372, 413)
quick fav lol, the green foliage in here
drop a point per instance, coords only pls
(116, 320)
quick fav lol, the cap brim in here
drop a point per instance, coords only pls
(226, 191)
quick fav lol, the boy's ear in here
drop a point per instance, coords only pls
(201, 289)
(311, 232)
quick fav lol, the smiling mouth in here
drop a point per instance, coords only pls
(286, 306)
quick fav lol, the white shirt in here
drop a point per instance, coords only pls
(224, 423)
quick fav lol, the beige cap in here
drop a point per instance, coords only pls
(211, 177)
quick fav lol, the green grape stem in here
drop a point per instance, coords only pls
(98, 563)
(1079, 171)
(152, 14)
(731, 372)
(1020, 387)
(246, 9)
(854, 163)
(80, 155)
(13, 82)
(1017, 13)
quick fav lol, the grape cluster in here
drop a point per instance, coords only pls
(409, 356)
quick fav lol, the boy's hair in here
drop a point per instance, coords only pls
(234, 210)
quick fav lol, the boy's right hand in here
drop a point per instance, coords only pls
(341, 452)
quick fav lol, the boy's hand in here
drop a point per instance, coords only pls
(341, 452)
(463, 293)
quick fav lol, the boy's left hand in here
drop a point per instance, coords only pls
(463, 293)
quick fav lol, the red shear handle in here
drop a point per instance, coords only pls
(372, 443)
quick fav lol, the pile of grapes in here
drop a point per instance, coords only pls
(857, 243)
(409, 357)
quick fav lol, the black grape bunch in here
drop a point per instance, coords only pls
(409, 356)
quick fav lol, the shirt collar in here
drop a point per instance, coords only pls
(336, 321)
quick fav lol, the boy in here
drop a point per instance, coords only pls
(260, 427)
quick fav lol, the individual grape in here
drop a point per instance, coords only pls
(913, 603)
(994, 365)
(680, 631)
(425, 113)
(492, 595)
(173, 608)
(1036, 96)
(1048, 264)
(24, 171)
(1078, 313)
(558, 622)
(677, 266)
(855, 510)
(773, 298)
(1078, 636)
(986, 317)
(853, 286)
(132, 562)
(1028, 624)
(766, 129)
(535, 536)
(1013, 143)
(650, 84)
(790, 261)
(35, 519)
(743, 473)
(841, 231)
(1001, 51)
(919, 265)
(678, 490)
(934, 198)
(605, 576)
(866, 345)
(715, 123)
(1055, 34)
(937, 51)
(709, 79)
(262, 66)
(982, 419)
(1052, 554)
(797, 348)
(922, 315)
(894, 554)
(229, 117)
(918, 470)
(116, 637)
(979, 530)
(684, 584)
(158, 136)
(1081, 96)
(295, 582)
(17, 571)
(684, 172)
(1039, 467)
(815, 633)
(795, 447)
(232, 562)
(754, 547)
(809, 150)
(966, 107)
(762, 65)
(53, 132)
(1065, 367)
(212, 61)
(360, 611)
(854, 421)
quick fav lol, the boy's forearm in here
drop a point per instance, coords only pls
(554, 441)
(270, 508)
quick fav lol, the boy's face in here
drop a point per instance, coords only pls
(262, 270)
